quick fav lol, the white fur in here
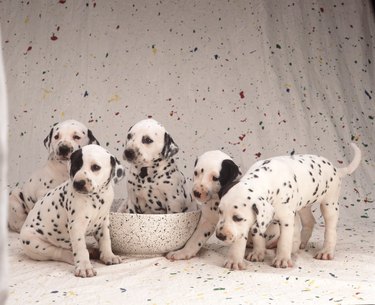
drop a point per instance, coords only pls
(276, 189)
(155, 185)
(56, 227)
(69, 134)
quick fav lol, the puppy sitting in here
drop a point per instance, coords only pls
(155, 185)
(56, 227)
(276, 189)
(63, 139)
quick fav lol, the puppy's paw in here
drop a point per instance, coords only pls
(84, 269)
(179, 254)
(234, 264)
(111, 259)
(324, 255)
(282, 262)
(256, 256)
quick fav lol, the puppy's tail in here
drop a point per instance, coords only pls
(354, 164)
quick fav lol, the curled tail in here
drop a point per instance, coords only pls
(354, 164)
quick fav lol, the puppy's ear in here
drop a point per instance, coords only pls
(117, 171)
(76, 162)
(170, 147)
(47, 140)
(226, 188)
(92, 139)
(228, 173)
(264, 213)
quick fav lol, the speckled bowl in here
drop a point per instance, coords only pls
(151, 234)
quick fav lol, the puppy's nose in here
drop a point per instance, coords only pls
(64, 150)
(129, 154)
(221, 236)
(79, 185)
(196, 194)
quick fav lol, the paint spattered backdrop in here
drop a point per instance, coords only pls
(253, 78)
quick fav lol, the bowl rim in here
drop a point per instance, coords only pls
(171, 215)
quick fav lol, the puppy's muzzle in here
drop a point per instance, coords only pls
(197, 194)
(80, 186)
(64, 150)
(221, 236)
(129, 154)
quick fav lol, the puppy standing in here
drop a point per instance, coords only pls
(155, 185)
(63, 139)
(56, 227)
(277, 189)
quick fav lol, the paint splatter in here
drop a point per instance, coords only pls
(242, 94)
(53, 37)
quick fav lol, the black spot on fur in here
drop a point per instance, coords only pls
(143, 172)
(76, 162)
(255, 209)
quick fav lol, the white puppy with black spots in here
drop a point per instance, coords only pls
(55, 229)
(276, 189)
(63, 139)
(154, 183)
(214, 173)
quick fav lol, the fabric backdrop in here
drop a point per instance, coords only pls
(253, 78)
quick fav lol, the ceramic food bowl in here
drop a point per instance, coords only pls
(151, 234)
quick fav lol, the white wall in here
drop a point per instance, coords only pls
(305, 68)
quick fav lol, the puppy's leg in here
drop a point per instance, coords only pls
(284, 246)
(36, 247)
(204, 230)
(16, 211)
(259, 246)
(308, 222)
(103, 237)
(77, 232)
(236, 253)
(330, 213)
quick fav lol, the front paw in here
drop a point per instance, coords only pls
(84, 269)
(179, 254)
(282, 262)
(235, 264)
(256, 256)
(324, 255)
(111, 259)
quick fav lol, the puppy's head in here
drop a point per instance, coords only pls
(241, 209)
(235, 215)
(148, 141)
(92, 168)
(66, 137)
(213, 171)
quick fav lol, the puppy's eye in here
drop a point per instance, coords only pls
(214, 178)
(237, 218)
(147, 140)
(95, 167)
(129, 136)
(75, 137)
(56, 136)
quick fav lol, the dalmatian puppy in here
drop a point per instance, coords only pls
(213, 171)
(63, 139)
(276, 189)
(56, 227)
(155, 185)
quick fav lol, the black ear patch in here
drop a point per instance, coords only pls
(226, 188)
(229, 171)
(47, 140)
(92, 139)
(170, 148)
(117, 171)
(76, 162)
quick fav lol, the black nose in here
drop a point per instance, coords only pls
(197, 194)
(129, 154)
(79, 185)
(64, 150)
(221, 236)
